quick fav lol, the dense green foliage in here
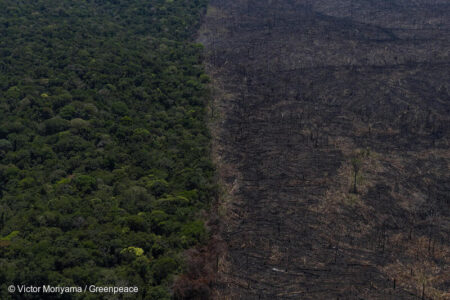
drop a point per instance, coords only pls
(103, 144)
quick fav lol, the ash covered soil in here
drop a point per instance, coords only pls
(331, 136)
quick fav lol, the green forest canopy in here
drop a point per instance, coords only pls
(104, 162)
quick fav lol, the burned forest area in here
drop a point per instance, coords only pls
(330, 124)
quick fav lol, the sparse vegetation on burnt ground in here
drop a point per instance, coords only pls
(332, 143)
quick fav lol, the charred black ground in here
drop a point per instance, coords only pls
(331, 136)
